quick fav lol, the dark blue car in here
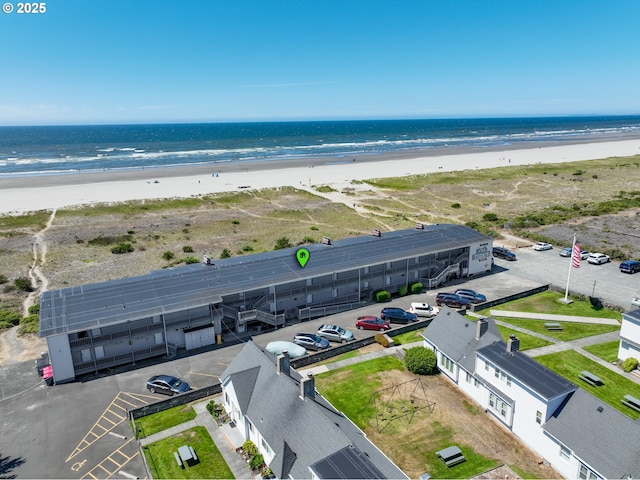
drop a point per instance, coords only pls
(397, 315)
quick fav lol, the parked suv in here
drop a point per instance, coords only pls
(471, 295)
(630, 266)
(397, 315)
(452, 300)
(506, 254)
(424, 310)
(598, 258)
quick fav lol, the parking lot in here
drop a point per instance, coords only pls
(80, 430)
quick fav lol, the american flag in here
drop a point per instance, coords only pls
(575, 261)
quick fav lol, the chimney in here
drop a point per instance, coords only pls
(481, 328)
(513, 344)
(283, 365)
(308, 387)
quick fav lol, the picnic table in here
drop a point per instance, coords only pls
(451, 456)
(187, 455)
(553, 326)
(590, 378)
(631, 402)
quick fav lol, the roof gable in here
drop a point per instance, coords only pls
(599, 433)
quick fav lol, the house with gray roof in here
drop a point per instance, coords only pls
(579, 435)
(299, 433)
(102, 325)
(630, 335)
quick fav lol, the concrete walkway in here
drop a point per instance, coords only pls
(554, 318)
(223, 438)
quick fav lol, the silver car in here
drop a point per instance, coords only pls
(334, 333)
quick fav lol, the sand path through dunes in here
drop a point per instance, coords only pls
(38, 279)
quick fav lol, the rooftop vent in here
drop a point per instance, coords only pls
(600, 409)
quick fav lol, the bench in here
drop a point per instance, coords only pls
(631, 402)
(590, 378)
(451, 456)
(178, 460)
(551, 326)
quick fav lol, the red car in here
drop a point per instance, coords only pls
(370, 322)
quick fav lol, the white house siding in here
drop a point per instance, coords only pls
(629, 338)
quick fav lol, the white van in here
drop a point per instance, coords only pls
(424, 310)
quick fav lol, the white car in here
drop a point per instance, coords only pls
(542, 246)
(598, 258)
(424, 310)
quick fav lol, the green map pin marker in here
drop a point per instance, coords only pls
(303, 256)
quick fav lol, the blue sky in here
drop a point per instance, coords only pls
(133, 61)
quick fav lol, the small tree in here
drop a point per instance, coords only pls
(168, 256)
(225, 253)
(416, 287)
(382, 296)
(421, 361)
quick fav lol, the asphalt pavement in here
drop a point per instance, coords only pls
(80, 429)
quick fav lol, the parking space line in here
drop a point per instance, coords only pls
(113, 415)
(111, 464)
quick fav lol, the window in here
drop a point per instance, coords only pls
(586, 473)
(476, 383)
(539, 417)
(446, 363)
(565, 453)
(265, 447)
(499, 406)
(468, 377)
(497, 373)
(250, 425)
(486, 366)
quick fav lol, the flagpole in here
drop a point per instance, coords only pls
(566, 292)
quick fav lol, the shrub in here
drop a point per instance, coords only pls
(307, 239)
(225, 253)
(10, 318)
(382, 339)
(190, 260)
(421, 361)
(168, 256)
(23, 284)
(3, 279)
(455, 205)
(247, 248)
(256, 461)
(29, 324)
(382, 296)
(402, 291)
(282, 242)
(249, 448)
(34, 309)
(416, 287)
(490, 217)
(122, 248)
(187, 249)
(630, 364)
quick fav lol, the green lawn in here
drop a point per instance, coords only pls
(547, 302)
(160, 421)
(408, 337)
(607, 351)
(162, 462)
(526, 341)
(570, 363)
(570, 330)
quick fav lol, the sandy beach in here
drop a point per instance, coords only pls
(32, 193)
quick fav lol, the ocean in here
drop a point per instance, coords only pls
(72, 149)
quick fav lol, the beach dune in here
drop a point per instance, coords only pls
(32, 193)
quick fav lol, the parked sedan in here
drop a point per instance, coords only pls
(506, 254)
(598, 258)
(334, 333)
(166, 385)
(369, 322)
(397, 315)
(471, 295)
(311, 341)
(565, 252)
(542, 246)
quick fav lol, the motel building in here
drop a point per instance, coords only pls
(93, 327)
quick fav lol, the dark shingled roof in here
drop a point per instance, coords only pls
(536, 376)
(300, 432)
(97, 305)
(346, 463)
(455, 336)
(601, 435)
